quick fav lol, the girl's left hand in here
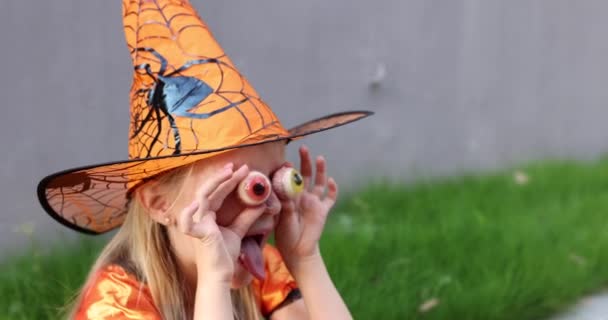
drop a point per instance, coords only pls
(302, 220)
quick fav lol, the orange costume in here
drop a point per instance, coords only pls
(117, 294)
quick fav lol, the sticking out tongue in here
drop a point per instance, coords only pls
(251, 257)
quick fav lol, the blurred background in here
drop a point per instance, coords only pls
(458, 87)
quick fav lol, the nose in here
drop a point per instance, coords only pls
(273, 205)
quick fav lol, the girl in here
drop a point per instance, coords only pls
(191, 266)
(192, 242)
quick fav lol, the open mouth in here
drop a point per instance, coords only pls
(251, 257)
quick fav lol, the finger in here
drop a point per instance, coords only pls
(273, 204)
(320, 177)
(313, 219)
(312, 209)
(200, 213)
(184, 220)
(288, 206)
(332, 193)
(223, 190)
(245, 219)
(215, 180)
(288, 219)
(305, 166)
(197, 216)
(205, 227)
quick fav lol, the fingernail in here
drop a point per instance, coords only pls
(229, 165)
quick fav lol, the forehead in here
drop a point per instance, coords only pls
(265, 158)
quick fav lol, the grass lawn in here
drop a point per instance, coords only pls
(499, 246)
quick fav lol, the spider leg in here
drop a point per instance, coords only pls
(159, 129)
(209, 114)
(191, 63)
(146, 67)
(163, 61)
(176, 136)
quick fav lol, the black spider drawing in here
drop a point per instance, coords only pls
(175, 95)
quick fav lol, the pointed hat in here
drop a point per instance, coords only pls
(188, 102)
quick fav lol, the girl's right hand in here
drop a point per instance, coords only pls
(217, 248)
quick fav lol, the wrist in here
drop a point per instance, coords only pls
(212, 299)
(206, 276)
(213, 282)
(301, 265)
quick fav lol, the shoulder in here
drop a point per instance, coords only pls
(114, 293)
(279, 287)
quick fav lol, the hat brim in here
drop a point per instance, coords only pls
(93, 199)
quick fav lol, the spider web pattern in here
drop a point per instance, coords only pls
(172, 30)
(89, 200)
(94, 199)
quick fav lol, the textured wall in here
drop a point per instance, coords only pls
(457, 85)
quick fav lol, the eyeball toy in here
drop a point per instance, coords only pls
(287, 183)
(254, 189)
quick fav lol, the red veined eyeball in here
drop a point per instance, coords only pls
(254, 189)
(287, 182)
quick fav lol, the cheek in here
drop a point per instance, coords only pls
(229, 210)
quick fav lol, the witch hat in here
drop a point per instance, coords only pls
(188, 102)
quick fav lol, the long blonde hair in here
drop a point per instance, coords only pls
(144, 246)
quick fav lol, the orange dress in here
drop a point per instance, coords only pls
(117, 294)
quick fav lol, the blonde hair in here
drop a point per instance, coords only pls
(143, 245)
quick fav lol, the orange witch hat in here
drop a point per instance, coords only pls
(188, 102)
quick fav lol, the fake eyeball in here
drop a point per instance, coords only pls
(254, 189)
(287, 183)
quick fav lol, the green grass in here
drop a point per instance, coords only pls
(483, 246)
(34, 285)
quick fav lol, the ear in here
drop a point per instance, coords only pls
(153, 199)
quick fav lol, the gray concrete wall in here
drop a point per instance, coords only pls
(459, 85)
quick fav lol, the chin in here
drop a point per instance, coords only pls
(241, 277)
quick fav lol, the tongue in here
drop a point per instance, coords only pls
(251, 257)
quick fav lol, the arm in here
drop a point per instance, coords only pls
(297, 236)
(213, 300)
(216, 247)
(321, 299)
(320, 295)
